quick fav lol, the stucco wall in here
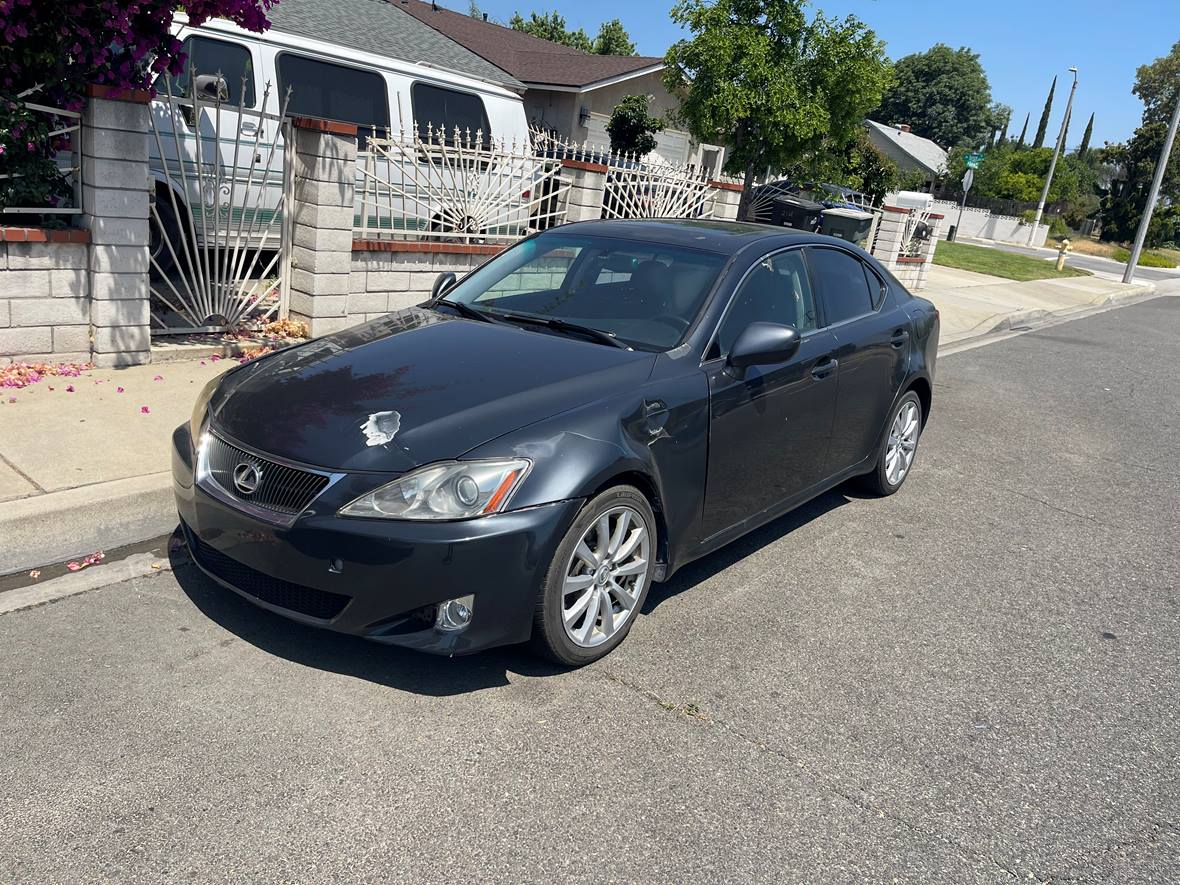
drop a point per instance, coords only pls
(983, 225)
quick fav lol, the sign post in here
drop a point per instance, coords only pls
(968, 179)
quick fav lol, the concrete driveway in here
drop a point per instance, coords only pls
(975, 680)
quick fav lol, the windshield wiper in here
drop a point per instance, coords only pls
(565, 326)
(468, 311)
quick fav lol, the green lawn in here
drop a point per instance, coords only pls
(1000, 264)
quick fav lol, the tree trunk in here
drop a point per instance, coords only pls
(743, 211)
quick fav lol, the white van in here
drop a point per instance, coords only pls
(326, 80)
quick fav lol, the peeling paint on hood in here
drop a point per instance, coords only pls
(381, 427)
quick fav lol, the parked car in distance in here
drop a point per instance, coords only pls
(520, 457)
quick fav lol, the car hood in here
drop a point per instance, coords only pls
(411, 388)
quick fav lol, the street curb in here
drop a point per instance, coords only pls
(138, 566)
(74, 522)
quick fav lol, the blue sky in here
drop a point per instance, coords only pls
(1022, 45)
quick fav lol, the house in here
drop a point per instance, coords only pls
(376, 26)
(567, 91)
(909, 151)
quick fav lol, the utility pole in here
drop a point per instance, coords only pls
(1153, 194)
(1053, 163)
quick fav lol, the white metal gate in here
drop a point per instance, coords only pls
(655, 190)
(221, 230)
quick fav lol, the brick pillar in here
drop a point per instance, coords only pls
(115, 193)
(587, 187)
(322, 211)
(890, 235)
(726, 197)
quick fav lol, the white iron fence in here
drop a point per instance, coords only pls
(457, 186)
(220, 229)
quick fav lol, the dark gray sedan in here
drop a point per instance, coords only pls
(522, 456)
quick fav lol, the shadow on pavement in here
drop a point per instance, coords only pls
(427, 674)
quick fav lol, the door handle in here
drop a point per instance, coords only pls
(825, 368)
(900, 337)
(249, 128)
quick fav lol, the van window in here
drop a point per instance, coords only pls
(205, 56)
(329, 91)
(448, 108)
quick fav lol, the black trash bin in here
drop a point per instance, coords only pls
(796, 212)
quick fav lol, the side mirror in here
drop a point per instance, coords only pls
(443, 283)
(210, 86)
(762, 344)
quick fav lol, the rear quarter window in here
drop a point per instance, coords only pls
(436, 107)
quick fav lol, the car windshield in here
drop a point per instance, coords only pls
(644, 294)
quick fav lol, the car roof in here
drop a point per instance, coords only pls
(725, 237)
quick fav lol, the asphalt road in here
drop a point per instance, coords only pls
(1087, 262)
(975, 680)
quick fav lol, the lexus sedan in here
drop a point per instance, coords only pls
(521, 456)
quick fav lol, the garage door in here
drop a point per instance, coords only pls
(672, 145)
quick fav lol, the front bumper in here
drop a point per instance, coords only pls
(375, 578)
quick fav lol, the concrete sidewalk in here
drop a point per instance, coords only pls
(88, 469)
(83, 467)
(972, 304)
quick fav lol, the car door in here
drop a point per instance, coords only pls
(872, 344)
(769, 425)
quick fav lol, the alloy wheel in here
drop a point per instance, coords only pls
(903, 441)
(604, 578)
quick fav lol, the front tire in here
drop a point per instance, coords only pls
(598, 579)
(898, 449)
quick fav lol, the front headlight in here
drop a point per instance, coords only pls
(452, 490)
(200, 408)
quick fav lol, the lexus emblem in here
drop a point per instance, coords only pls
(247, 476)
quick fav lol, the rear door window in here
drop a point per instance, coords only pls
(205, 56)
(842, 284)
(435, 107)
(330, 91)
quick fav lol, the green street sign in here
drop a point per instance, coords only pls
(973, 160)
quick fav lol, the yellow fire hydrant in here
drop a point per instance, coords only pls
(1065, 247)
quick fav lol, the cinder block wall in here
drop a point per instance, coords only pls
(44, 296)
(382, 281)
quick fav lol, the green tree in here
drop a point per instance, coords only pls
(870, 170)
(760, 77)
(1023, 132)
(613, 39)
(1039, 139)
(1084, 147)
(631, 128)
(551, 26)
(944, 95)
(1157, 86)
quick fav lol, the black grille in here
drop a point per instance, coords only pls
(296, 597)
(283, 489)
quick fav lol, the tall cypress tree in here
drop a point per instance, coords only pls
(1004, 131)
(1039, 141)
(1085, 145)
(1023, 131)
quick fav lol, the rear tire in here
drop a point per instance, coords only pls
(898, 449)
(598, 580)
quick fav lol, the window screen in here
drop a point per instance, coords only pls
(231, 60)
(334, 92)
(842, 281)
(448, 108)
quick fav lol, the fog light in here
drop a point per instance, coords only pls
(454, 614)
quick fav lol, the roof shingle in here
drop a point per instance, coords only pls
(528, 58)
(383, 28)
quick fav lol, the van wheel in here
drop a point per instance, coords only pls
(163, 232)
(598, 579)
